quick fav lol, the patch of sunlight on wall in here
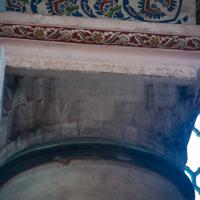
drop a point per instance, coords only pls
(193, 162)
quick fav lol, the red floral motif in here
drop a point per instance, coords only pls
(39, 33)
(103, 37)
(154, 41)
(98, 37)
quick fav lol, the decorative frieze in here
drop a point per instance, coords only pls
(100, 37)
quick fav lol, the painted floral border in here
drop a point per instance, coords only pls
(100, 37)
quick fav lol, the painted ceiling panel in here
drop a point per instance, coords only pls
(164, 11)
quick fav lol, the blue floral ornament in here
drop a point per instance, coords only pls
(63, 7)
(182, 20)
(154, 10)
(17, 5)
(86, 9)
(131, 11)
(172, 5)
(150, 8)
(108, 9)
(34, 5)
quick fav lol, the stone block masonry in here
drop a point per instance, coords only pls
(123, 107)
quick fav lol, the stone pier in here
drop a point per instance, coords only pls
(96, 109)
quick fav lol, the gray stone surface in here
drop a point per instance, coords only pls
(89, 180)
(2, 75)
(153, 112)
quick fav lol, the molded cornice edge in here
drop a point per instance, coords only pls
(56, 43)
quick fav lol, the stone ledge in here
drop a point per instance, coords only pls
(23, 55)
(101, 24)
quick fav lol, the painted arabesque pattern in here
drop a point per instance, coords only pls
(141, 10)
(100, 37)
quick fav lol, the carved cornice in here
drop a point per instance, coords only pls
(100, 37)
